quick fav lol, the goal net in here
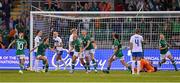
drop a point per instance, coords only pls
(102, 24)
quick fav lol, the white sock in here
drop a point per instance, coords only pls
(133, 66)
(57, 64)
(138, 67)
(36, 65)
(63, 62)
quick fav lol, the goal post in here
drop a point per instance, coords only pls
(103, 24)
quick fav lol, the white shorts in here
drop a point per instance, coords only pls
(78, 54)
(89, 52)
(21, 56)
(115, 57)
(164, 56)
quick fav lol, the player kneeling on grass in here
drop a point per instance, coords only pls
(59, 50)
(21, 44)
(117, 54)
(77, 46)
(164, 51)
(146, 66)
(41, 53)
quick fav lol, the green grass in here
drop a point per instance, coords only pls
(81, 76)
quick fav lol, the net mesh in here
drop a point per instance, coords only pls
(102, 25)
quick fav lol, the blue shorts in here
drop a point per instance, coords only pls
(59, 52)
(137, 54)
(71, 53)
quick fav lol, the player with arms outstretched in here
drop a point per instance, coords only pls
(117, 54)
(58, 45)
(41, 53)
(21, 44)
(77, 46)
(164, 51)
(137, 51)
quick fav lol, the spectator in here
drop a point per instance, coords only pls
(6, 12)
(73, 7)
(0, 5)
(79, 7)
(119, 7)
(2, 46)
(130, 5)
(94, 7)
(167, 4)
(49, 6)
(58, 6)
(159, 6)
(175, 5)
(12, 35)
(140, 5)
(108, 5)
(1, 15)
(147, 6)
(105, 6)
(86, 7)
(90, 5)
(102, 6)
(11, 23)
(27, 21)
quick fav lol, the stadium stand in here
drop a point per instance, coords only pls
(15, 13)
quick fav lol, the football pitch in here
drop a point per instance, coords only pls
(81, 76)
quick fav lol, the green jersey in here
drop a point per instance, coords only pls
(77, 45)
(117, 44)
(41, 49)
(163, 43)
(20, 46)
(85, 42)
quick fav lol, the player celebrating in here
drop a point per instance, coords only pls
(73, 32)
(21, 44)
(58, 45)
(117, 54)
(41, 53)
(136, 48)
(37, 41)
(88, 50)
(77, 46)
(164, 51)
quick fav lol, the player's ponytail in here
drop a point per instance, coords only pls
(45, 39)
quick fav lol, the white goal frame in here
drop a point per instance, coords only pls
(136, 13)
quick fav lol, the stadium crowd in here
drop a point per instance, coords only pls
(9, 27)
